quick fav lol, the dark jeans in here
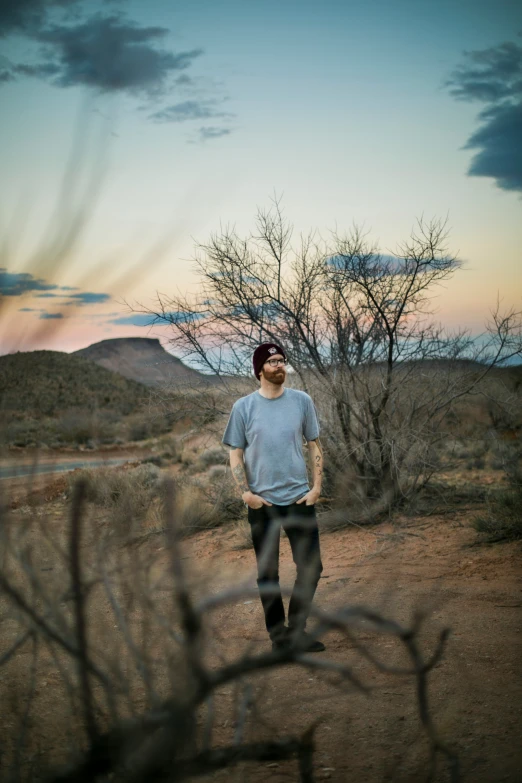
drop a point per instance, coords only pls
(300, 524)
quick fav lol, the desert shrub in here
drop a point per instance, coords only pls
(127, 494)
(478, 463)
(212, 457)
(146, 424)
(224, 496)
(243, 535)
(21, 433)
(507, 456)
(211, 500)
(503, 518)
(217, 472)
(168, 449)
(75, 426)
(193, 511)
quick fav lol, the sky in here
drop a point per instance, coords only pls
(130, 131)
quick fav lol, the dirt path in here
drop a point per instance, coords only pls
(475, 691)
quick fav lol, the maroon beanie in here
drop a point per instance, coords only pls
(262, 353)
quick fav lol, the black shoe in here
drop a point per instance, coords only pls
(281, 642)
(281, 645)
(280, 638)
(303, 642)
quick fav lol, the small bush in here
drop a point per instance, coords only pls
(217, 472)
(127, 494)
(75, 427)
(169, 449)
(193, 511)
(478, 463)
(21, 433)
(223, 493)
(212, 457)
(243, 535)
(503, 520)
(141, 426)
(507, 456)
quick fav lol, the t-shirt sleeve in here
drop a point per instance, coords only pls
(235, 430)
(311, 424)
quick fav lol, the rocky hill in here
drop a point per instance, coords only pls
(143, 359)
(45, 383)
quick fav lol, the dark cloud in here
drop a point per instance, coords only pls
(40, 71)
(189, 110)
(499, 141)
(143, 319)
(29, 310)
(489, 75)
(106, 53)
(49, 316)
(494, 77)
(18, 283)
(21, 15)
(27, 16)
(88, 297)
(213, 133)
(184, 80)
(22, 283)
(137, 319)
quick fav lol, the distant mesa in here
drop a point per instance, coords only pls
(143, 359)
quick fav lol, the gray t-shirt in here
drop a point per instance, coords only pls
(271, 432)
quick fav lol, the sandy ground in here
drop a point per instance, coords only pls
(417, 564)
(475, 691)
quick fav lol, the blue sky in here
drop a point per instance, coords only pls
(184, 117)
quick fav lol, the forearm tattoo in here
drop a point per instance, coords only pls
(317, 464)
(239, 475)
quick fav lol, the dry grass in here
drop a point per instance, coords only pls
(502, 520)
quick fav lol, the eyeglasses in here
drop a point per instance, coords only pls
(276, 362)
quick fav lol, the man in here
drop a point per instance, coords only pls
(265, 434)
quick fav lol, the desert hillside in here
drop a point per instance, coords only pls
(45, 383)
(142, 359)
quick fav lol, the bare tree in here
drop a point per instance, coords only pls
(357, 328)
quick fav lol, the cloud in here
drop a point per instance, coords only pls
(88, 297)
(22, 283)
(205, 134)
(21, 16)
(188, 110)
(29, 310)
(88, 45)
(494, 77)
(137, 319)
(146, 319)
(18, 283)
(499, 142)
(49, 316)
(40, 71)
(27, 16)
(105, 53)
